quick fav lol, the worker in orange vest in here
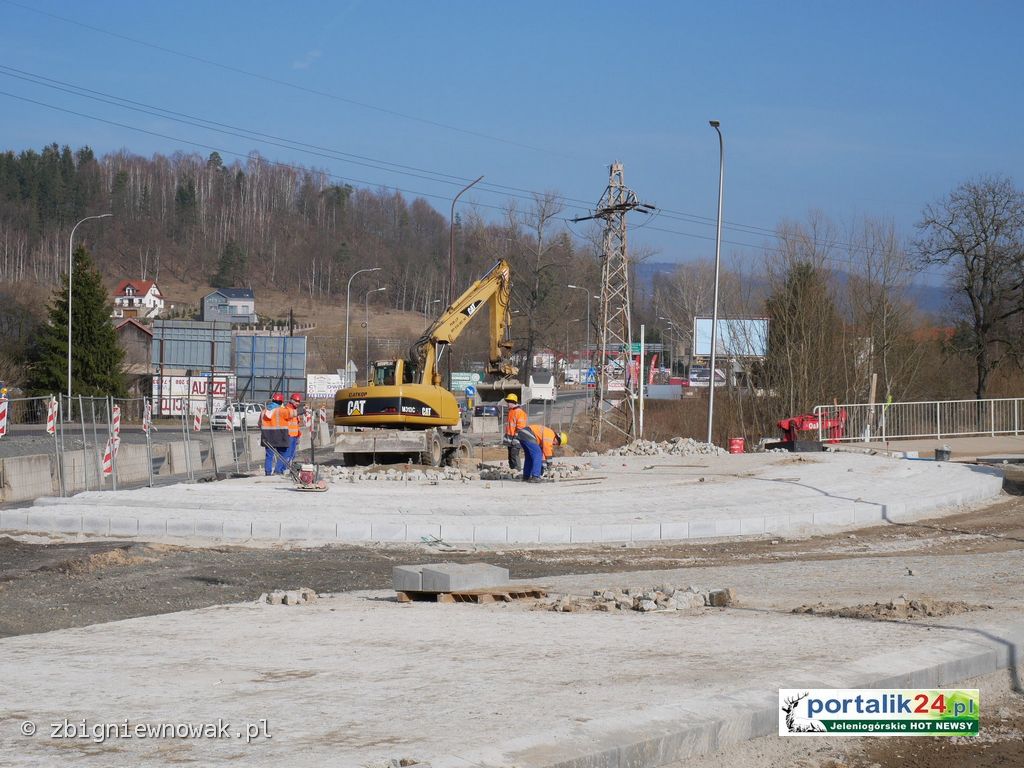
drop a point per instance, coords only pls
(539, 443)
(274, 434)
(515, 420)
(291, 409)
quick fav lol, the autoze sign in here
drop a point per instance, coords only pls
(943, 712)
(178, 395)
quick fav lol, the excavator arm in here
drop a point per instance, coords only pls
(494, 290)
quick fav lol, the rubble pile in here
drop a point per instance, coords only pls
(677, 446)
(660, 598)
(299, 596)
(554, 472)
(407, 473)
(400, 473)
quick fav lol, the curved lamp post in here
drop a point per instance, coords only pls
(718, 253)
(71, 241)
(348, 294)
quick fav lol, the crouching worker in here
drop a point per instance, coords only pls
(548, 440)
(538, 444)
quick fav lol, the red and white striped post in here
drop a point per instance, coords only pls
(197, 420)
(116, 420)
(51, 416)
(147, 417)
(3, 414)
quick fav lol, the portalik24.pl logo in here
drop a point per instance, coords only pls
(867, 711)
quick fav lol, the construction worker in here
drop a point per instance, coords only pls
(515, 420)
(292, 409)
(539, 444)
(549, 440)
(274, 434)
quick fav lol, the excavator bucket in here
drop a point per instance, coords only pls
(496, 391)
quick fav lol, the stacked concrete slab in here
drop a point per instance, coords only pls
(447, 577)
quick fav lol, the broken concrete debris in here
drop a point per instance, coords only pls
(407, 473)
(289, 596)
(677, 446)
(661, 598)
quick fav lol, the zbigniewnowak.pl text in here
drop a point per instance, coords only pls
(99, 733)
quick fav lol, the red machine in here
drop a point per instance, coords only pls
(832, 427)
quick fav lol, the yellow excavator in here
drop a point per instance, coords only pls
(404, 408)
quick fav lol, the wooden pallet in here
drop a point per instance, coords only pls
(487, 595)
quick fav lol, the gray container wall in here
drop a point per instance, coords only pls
(268, 364)
(191, 345)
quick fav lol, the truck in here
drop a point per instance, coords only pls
(403, 409)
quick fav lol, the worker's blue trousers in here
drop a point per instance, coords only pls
(533, 459)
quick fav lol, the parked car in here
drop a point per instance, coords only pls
(490, 409)
(247, 416)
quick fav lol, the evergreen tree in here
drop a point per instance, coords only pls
(96, 356)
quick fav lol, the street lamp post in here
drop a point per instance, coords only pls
(348, 294)
(71, 241)
(581, 288)
(670, 327)
(451, 241)
(366, 323)
(718, 254)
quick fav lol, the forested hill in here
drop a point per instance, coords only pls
(257, 224)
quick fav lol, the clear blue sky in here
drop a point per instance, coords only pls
(867, 108)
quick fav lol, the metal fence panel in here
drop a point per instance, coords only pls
(929, 418)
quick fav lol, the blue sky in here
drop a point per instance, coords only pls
(867, 108)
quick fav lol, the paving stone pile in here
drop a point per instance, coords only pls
(407, 473)
(660, 598)
(289, 596)
(677, 446)
(555, 472)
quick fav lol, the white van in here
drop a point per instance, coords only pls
(542, 387)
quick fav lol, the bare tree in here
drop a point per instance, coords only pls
(978, 231)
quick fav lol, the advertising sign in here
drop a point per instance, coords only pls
(178, 395)
(736, 337)
(700, 375)
(322, 386)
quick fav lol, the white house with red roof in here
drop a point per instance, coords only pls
(137, 298)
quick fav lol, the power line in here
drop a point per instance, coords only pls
(241, 155)
(284, 83)
(364, 160)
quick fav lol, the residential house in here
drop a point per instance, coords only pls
(230, 305)
(136, 340)
(137, 298)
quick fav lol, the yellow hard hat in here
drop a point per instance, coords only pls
(511, 397)
(563, 438)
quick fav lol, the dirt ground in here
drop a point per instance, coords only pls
(52, 585)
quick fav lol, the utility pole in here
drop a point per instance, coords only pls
(616, 323)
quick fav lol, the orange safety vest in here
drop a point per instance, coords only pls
(546, 438)
(514, 421)
(274, 427)
(292, 421)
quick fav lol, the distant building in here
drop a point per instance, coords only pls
(137, 298)
(136, 340)
(230, 305)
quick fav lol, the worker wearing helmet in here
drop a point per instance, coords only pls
(548, 439)
(292, 409)
(515, 420)
(274, 435)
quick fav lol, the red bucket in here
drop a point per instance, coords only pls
(736, 445)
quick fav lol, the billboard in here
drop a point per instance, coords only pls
(181, 395)
(322, 386)
(735, 337)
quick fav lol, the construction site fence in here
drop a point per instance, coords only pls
(101, 443)
(921, 419)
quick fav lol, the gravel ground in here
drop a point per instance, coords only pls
(47, 585)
